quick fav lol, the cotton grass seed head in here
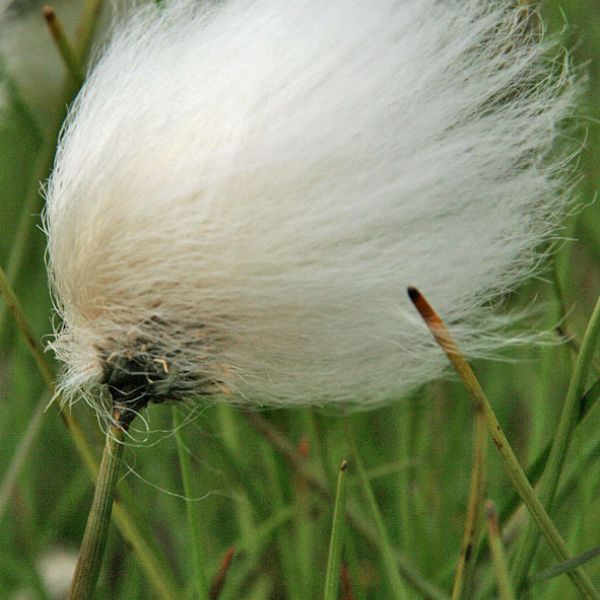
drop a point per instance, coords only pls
(244, 190)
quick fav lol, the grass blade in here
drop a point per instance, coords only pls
(63, 45)
(219, 581)
(411, 574)
(560, 445)
(497, 551)
(96, 530)
(513, 468)
(194, 535)
(148, 559)
(398, 587)
(468, 551)
(564, 567)
(16, 464)
(332, 577)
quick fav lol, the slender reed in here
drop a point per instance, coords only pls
(497, 551)
(468, 552)
(560, 445)
(64, 46)
(195, 534)
(332, 576)
(513, 468)
(396, 583)
(96, 530)
(146, 555)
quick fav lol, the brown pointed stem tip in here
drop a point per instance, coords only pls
(437, 327)
(425, 309)
(219, 582)
(344, 465)
(49, 14)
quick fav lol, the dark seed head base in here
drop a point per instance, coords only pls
(136, 380)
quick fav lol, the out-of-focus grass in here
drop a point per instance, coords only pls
(417, 453)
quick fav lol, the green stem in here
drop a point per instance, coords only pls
(412, 575)
(466, 562)
(195, 537)
(63, 45)
(21, 107)
(332, 576)
(562, 568)
(513, 468)
(88, 23)
(96, 530)
(497, 551)
(45, 158)
(14, 306)
(147, 557)
(399, 590)
(561, 440)
(33, 427)
(534, 471)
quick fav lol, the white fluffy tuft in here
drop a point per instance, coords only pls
(243, 193)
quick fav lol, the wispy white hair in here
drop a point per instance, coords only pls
(244, 190)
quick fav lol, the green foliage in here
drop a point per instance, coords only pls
(266, 483)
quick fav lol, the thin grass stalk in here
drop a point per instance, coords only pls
(411, 574)
(96, 531)
(468, 552)
(354, 570)
(12, 303)
(505, 590)
(397, 585)
(31, 205)
(221, 577)
(585, 459)
(306, 529)
(64, 46)
(195, 534)
(250, 554)
(346, 581)
(560, 445)
(534, 471)
(45, 157)
(19, 458)
(562, 568)
(513, 468)
(319, 447)
(291, 578)
(20, 106)
(334, 559)
(88, 23)
(148, 558)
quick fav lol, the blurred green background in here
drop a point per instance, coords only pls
(417, 453)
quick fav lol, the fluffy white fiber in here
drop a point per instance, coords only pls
(244, 191)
